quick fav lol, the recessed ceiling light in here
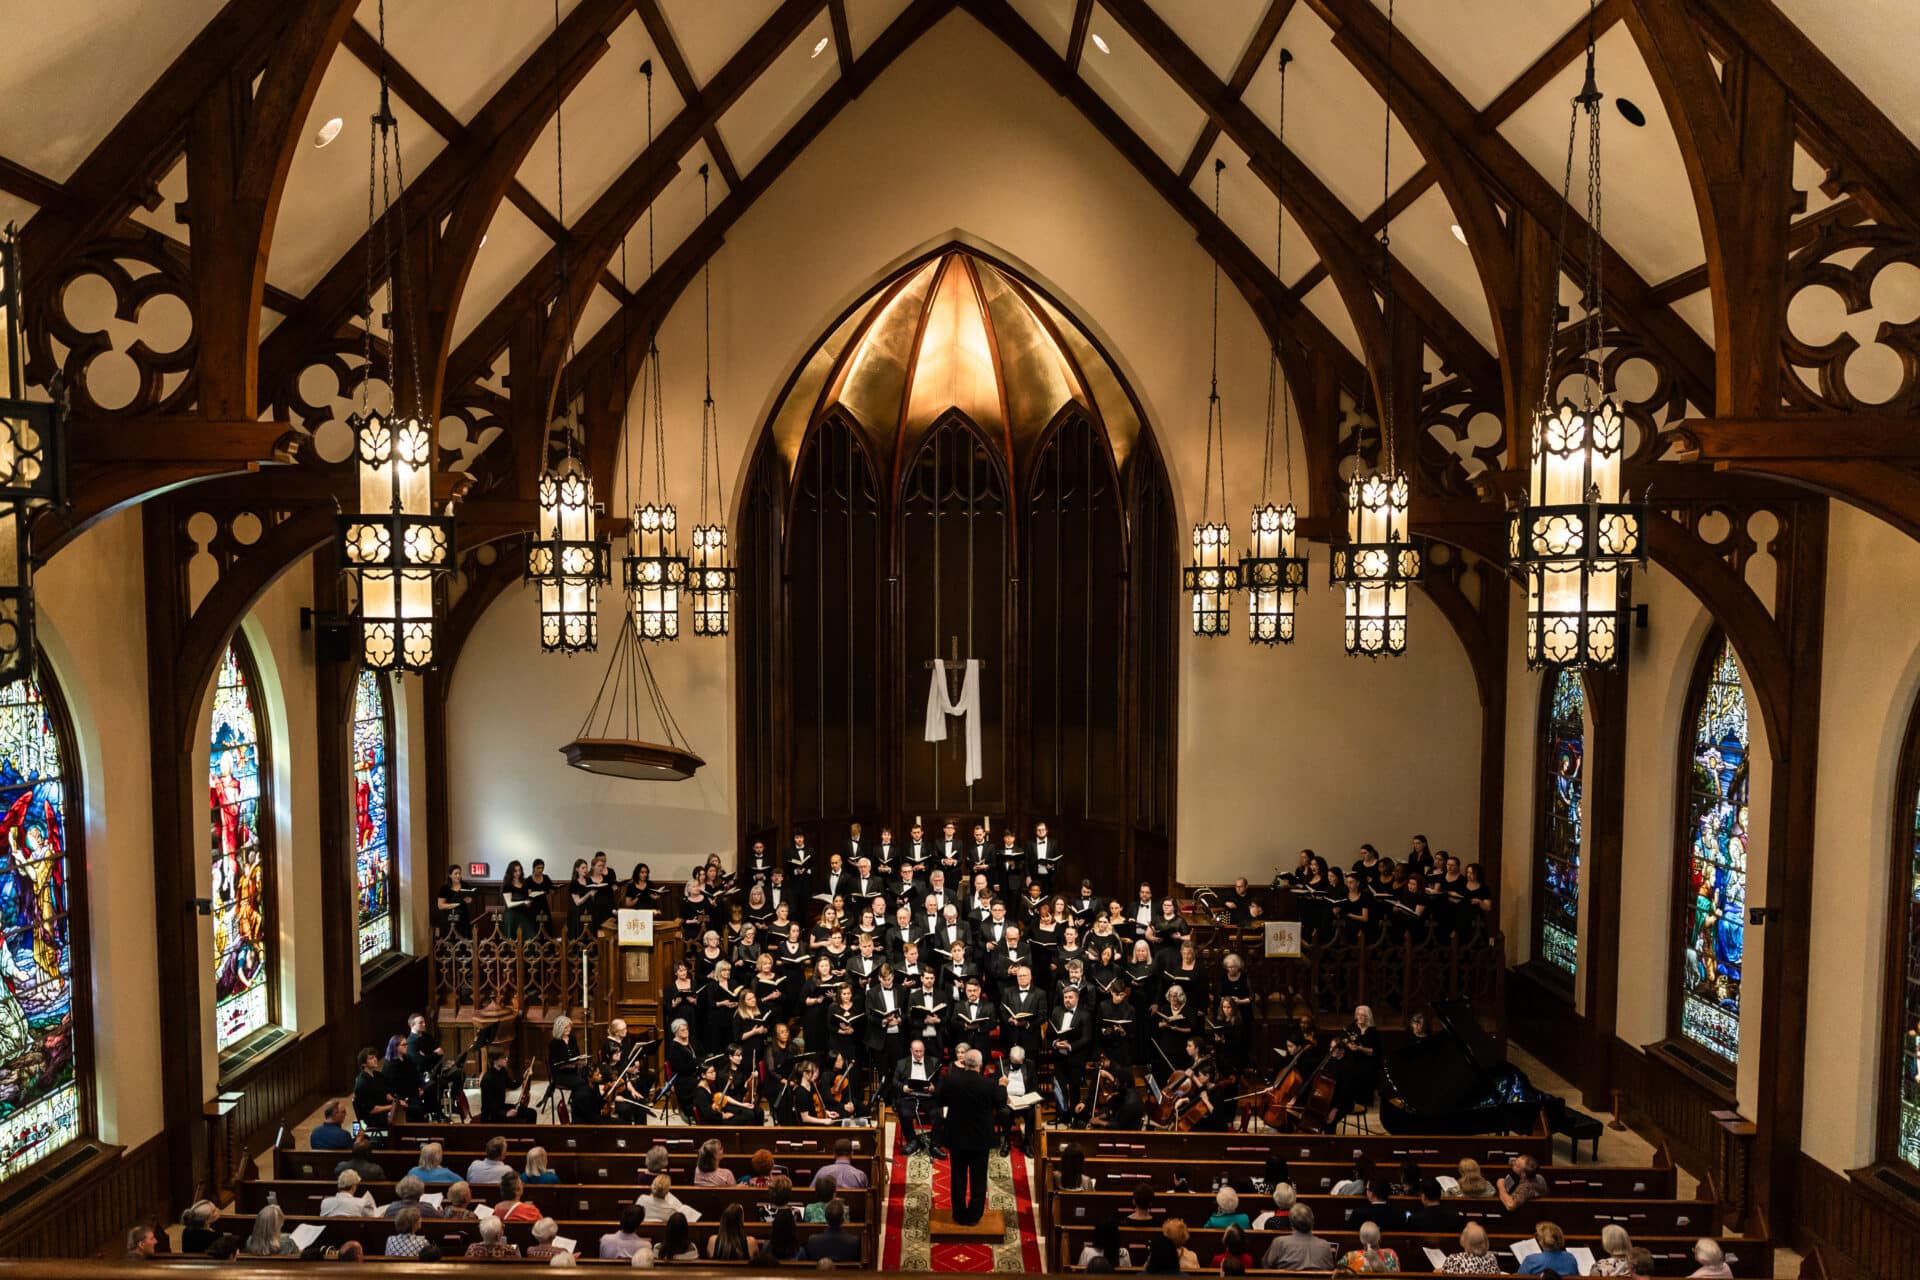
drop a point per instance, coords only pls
(327, 132)
(1631, 112)
(1458, 234)
(819, 48)
(1100, 44)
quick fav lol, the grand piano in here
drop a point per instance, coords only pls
(1456, 1080)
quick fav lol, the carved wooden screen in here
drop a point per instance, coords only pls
(757, 627)
(955, 564)
(836, 628)
(1073, 604)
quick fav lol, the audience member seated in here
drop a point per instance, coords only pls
(1163, 1256)
(430, 1170)
(1226, 1211)
(1475, 1257)
(352, 1251)
(677, 1245)
(707, 1169)
(1357, 1184)
(486, 1171)
(729, 1242)
(1470, 1183)
(361, 1161)
(659, 1203)
(1712, 1260)
(493, 1241)
(407, 1193)
(627, 1240)
(457, 1201)
(1371, 1258)
(1617, 1247)
(1299, 1249)
(406, 1240)
(1275, 1219)
(1432, 1217)
(330, 1134)
(762, 1174)
(1522, 1183)
(537, 1171)
(1106, 1245)
(142, 1243)
(1070, 1169)
(196, 1226)
(1377, 1208)
(225, 1247)
(509, 1206)
(783, 1240)
(841, 1174)
(1177, 1231)
(269, 1239)
(1552, 1255)
(347, 1201)
(835, 1244)
(1233, 1248)
(545, 1232)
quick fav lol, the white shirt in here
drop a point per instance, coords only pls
(917, 1071)
(1066, 1020)
(1143, 914)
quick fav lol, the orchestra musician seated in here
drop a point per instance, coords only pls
(1020, 1101)
(494, 1086)
(711, 1103)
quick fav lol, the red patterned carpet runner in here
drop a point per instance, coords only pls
(919, 1186)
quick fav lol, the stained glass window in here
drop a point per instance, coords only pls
(1557, 883)
(1909, 1138)
(242, 968)
(1714, 920)
(40, 1107)
(372, 838)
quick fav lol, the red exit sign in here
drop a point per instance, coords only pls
(477, 870)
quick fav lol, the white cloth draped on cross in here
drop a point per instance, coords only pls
(967, 707)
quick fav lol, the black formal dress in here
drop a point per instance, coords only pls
(967, 1101)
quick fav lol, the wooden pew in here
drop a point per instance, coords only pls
(1575, 1217)
(454, 1236)
(593, 1201)
(1592, 1181)
(1386, 1150)
(1748, 1256)
(783, 1140)
(570, 1166)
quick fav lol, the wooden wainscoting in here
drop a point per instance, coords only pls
(1659, 1095)
(89, 1211)
(1864, 1230)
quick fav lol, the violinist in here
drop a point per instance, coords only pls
(912, 1086)
(587, 1100)
(494, 1085)
(803, 1103)
(711, 1103)
(1105, 1102)
(844, 1085)
(741, 1076)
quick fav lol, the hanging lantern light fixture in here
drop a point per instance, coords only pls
(395, 551)
(1213, 577)
(1272, 570)
(1379, 559)
(653, 570)
(710, 573)
(566, 562)
(1577, 536)
(33, 471)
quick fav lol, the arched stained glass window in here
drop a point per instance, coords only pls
(373, 815)
(1714, 857)
(1900, 1040)
(242, 960)
(1556, 889)
(41, 1105)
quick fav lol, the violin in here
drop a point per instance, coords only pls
(819, 1111)
(838, 1089)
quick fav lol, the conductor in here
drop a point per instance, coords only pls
(968, 1099)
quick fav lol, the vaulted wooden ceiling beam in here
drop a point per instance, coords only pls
(842, 35)
(599, 231)
(1077, 34)
(1243, 72)
(688, 87)
(518, 109)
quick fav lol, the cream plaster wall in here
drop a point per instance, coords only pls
(1869, 677)
(959, 138)
(102, 671)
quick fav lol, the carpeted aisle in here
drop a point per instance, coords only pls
(920, 1184)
